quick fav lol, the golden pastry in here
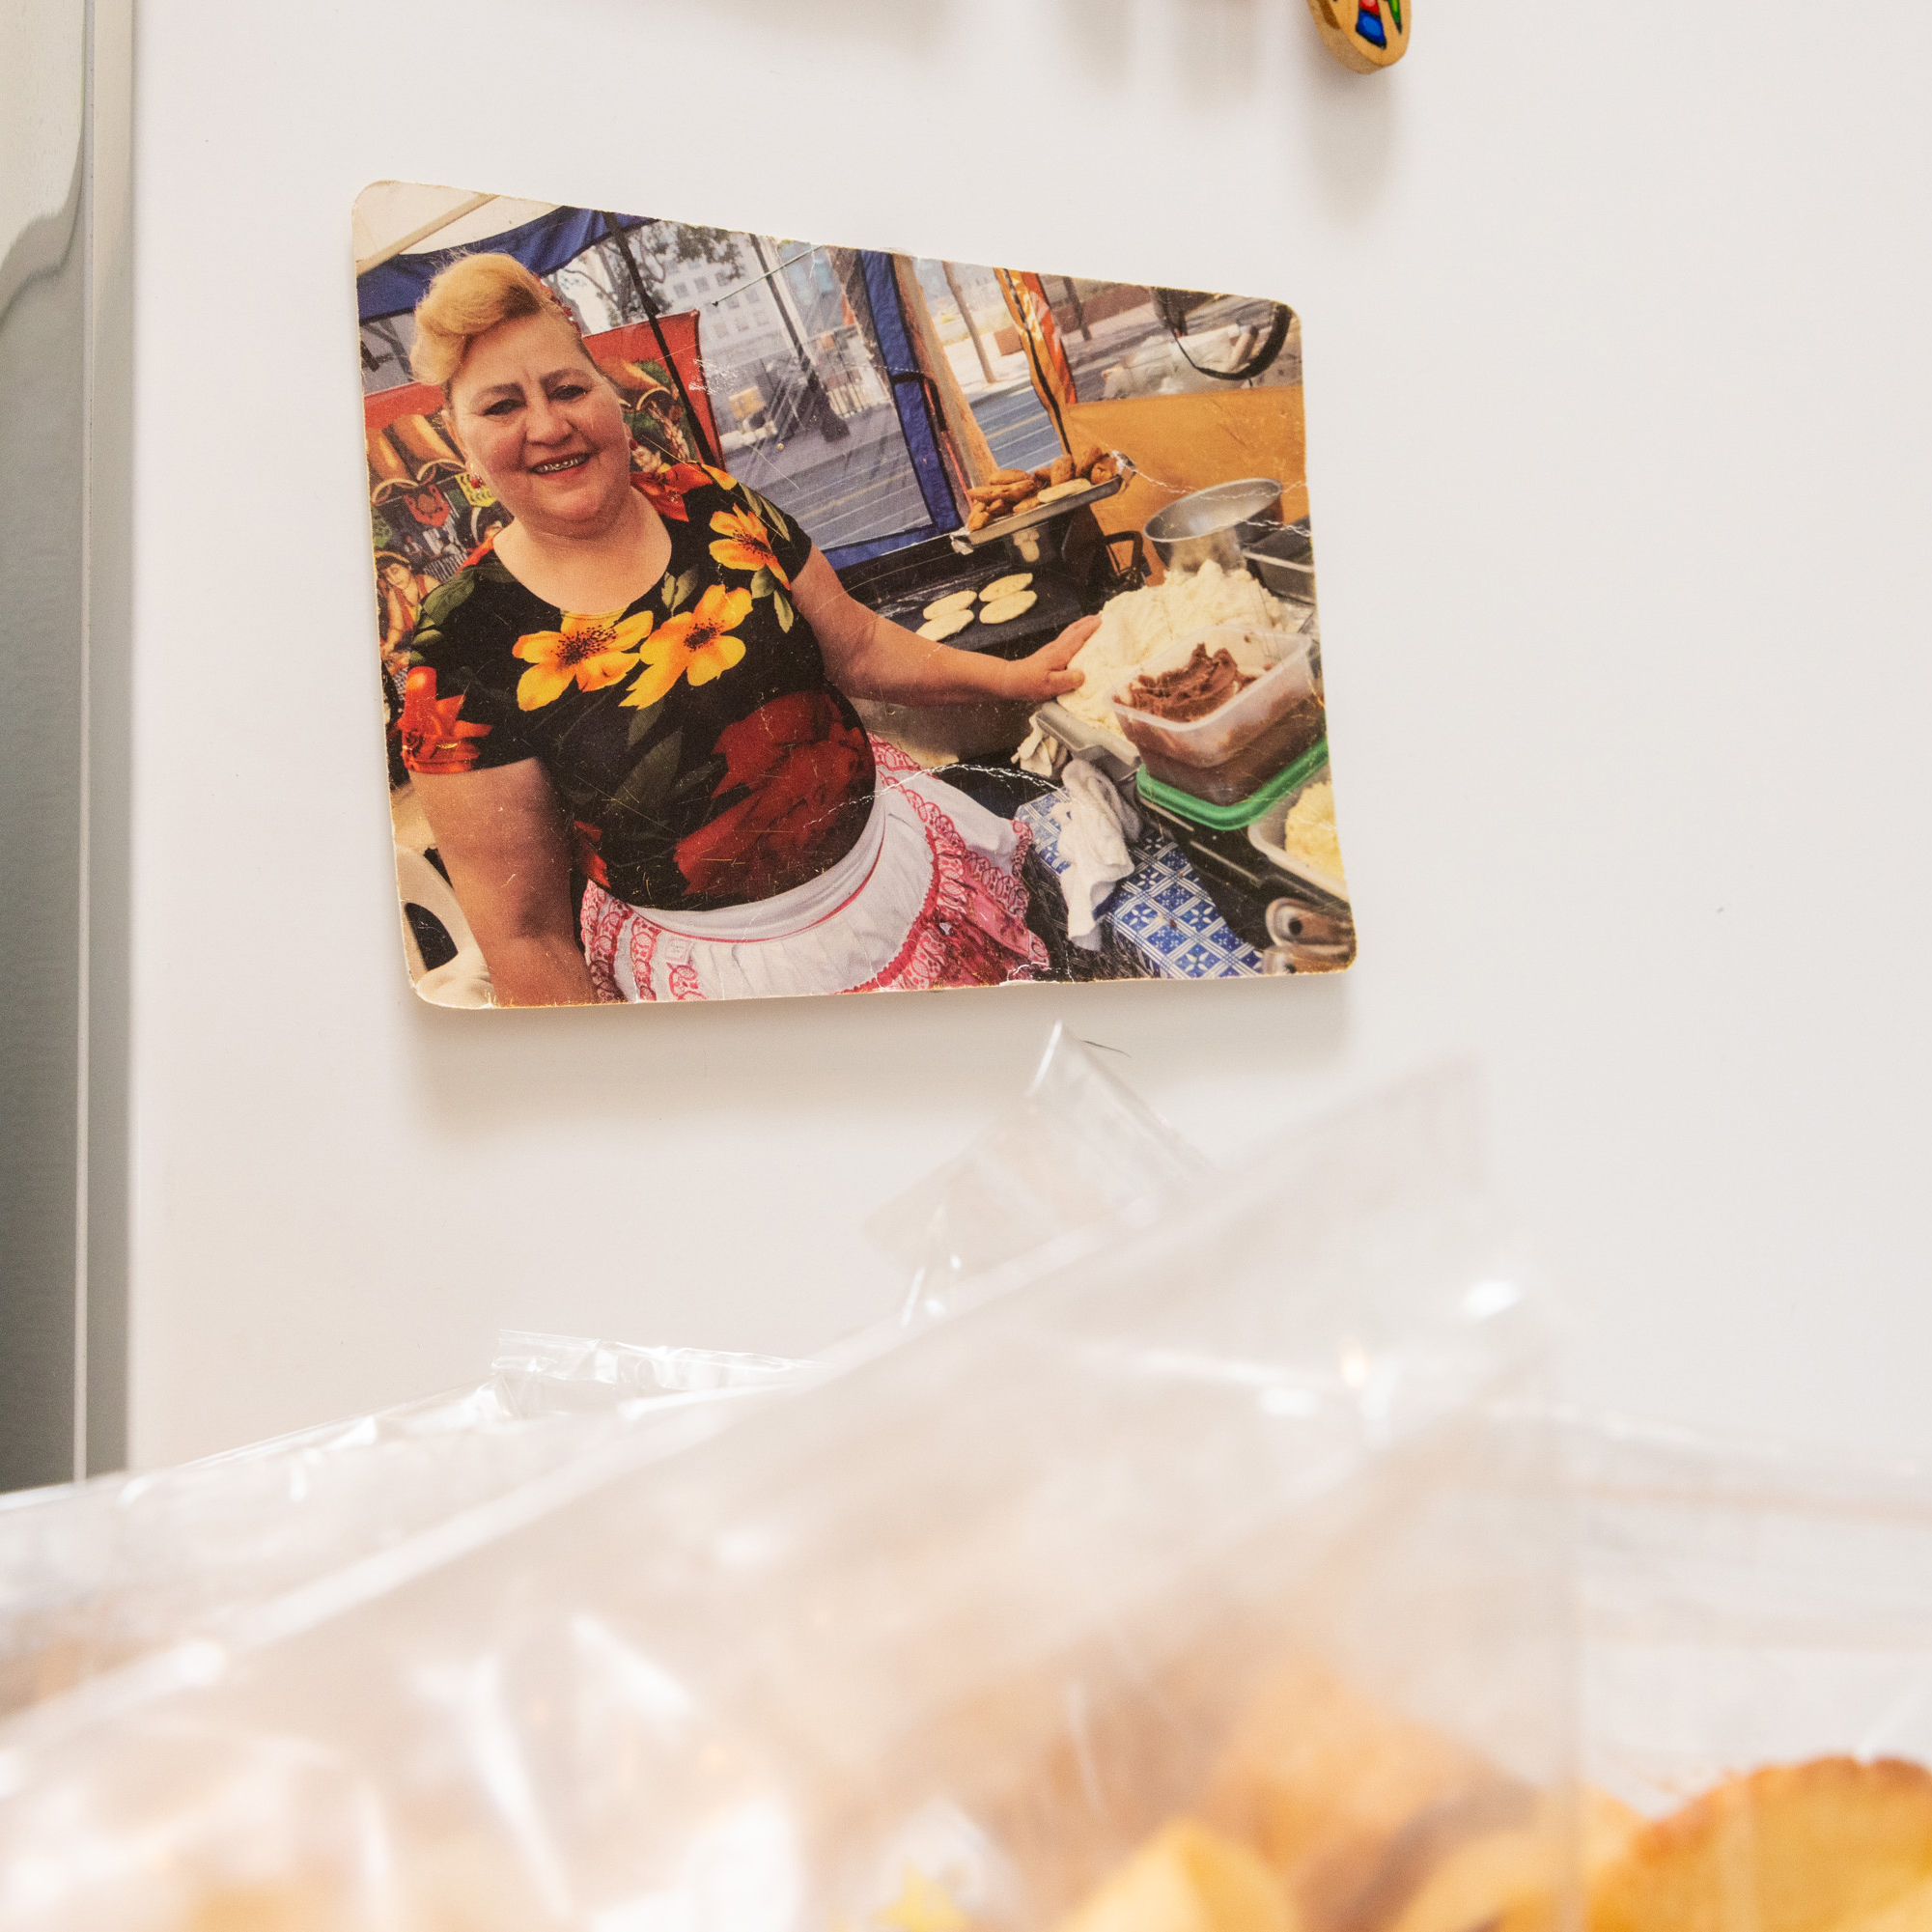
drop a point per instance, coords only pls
(1326, 1784)
(1819, 1847)
(1512, 1879)
(1187, 1879)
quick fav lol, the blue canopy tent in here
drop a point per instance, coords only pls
(868, 476)
(549, 242)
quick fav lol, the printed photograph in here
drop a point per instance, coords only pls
(755, 616)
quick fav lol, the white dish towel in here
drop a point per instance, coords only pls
(1095, 822)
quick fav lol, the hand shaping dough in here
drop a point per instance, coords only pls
(1003, 610)
(948, 623)
(1005, 586)
(944, 607)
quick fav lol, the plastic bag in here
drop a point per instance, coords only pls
(95, 1574)
(1743, 1606)
(559, 1375)
(950, 1639)
(1079, 1151)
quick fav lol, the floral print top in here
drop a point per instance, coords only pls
(692, 740)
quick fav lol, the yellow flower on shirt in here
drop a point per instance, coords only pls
(696, 645)
(592, 652)
(746, 543)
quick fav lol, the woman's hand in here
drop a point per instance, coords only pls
(1044, 674)
(868, 658)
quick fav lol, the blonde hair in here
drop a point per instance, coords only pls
(470, 297)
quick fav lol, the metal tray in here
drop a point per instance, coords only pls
(965, 541)
(1285, 562)
(1265, 835)
(1078, 735)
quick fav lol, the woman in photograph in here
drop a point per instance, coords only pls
(402, 588)
(647, 676)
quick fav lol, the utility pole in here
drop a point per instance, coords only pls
(972, 327)
(824, 418)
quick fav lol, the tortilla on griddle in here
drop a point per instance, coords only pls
(944, 607)
(1004, 609)
(948, 623)
(1005, 586)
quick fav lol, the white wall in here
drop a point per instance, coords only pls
(1617, 431)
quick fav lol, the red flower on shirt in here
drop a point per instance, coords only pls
(435, 740)
(585, 839)
(663, 485)
(801, 766)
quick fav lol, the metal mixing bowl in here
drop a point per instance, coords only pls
(1217, 523)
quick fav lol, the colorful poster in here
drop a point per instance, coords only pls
(758, 618)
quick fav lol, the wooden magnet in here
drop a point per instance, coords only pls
(1365, 35)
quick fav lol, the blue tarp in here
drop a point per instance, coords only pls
(909, 389)
(545, 245)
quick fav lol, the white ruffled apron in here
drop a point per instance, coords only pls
(929, 896)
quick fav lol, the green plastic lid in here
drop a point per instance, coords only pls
(1244, 811)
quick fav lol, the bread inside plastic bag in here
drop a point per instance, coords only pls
(1757, 1682)
(1214, 1555)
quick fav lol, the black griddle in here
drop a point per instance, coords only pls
(1056, 603)
(900, 585)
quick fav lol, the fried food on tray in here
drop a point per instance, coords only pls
(1011, 492)
(1187, 1879)
(1827, 1846)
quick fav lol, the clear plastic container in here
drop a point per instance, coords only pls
(1235, 749)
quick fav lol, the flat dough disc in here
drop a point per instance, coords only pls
(1004, 609)
(1060, 490)
(948, 623)
(1005, 586)
(944, 607)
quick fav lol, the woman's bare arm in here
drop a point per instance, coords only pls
(866, 656)
(502, 834)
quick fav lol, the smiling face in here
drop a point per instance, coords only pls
(543, 428)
